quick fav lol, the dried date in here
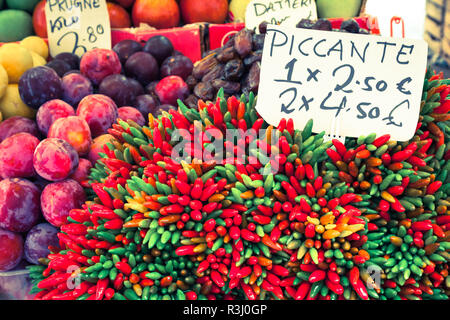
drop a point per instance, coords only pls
(191, 101)
(203, 66)
(214, 73)
(234, 69)
(243, 42)
(258, 41)
(252, 81)
(252, 58)
(226, 55)
(191, 82)
(229, 87)
(204, 91)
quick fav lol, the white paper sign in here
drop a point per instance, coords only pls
(365, 83)
(285, 12)
(77, 26)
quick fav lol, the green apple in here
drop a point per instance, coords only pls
(15, 25)
(338, 8)
(27, 5)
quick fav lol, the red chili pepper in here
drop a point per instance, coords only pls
(53, 280)
(114, 224)
(208, 226)
(443, 219)
(424, 225)
(248, 235)
(378, 142)
(109, 293)
(118, 282)
(244, 272)
(437, 230)
(310, 192)
(433, 187)
(310, 231)
(317, 275)
(359, 259)
(425, 289)
(257, 125)
(265, 285)
(353, 276)
(103, 212)
(300, 172)
(123, 267)
(102, 194)
(273, 245)
(335, 287)
(234, 232)
(282, 125)
(302, 291)
(51, 294)
(437, 277)
(340, 148)
(390, 284)
(116, 164)
(416, 161)
(208, 192)
(79, 215)
(273, 279)
(402, 155)
(397, 206)
(334, 156)
(309, 171)
(290, 291)
(61, 264)
(291, 193)
(64, 296)
(185, 250)
(361, 290)
(333, 276)
(278, 292)
(183, 187)
(287, 282)
(81, 289)
(395, 190)
(101, 287)
(261, 219)
(248, 291)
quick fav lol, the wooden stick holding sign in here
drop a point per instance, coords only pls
(372, 84)
(77, 26)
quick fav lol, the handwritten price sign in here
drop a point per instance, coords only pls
(285, 12)
(77, 26)
(366, 83)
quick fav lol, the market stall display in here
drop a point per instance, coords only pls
(111, 187)
(310, 230)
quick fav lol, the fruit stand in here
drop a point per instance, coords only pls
(98, 201)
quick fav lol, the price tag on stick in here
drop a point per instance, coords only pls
(77, 26)
(368, 83)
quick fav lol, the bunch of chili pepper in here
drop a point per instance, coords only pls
(367, 219)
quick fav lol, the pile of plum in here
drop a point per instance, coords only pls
(149, 77)
(44, 164)
(41, 182)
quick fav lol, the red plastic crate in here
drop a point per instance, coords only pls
(118, 35)
(219, 34)
(187, 40)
